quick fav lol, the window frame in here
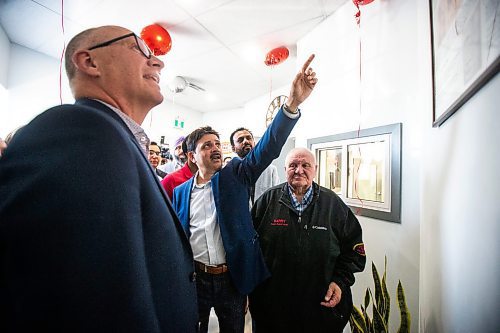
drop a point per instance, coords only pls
(390, 209)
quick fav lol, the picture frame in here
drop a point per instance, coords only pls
(363, 168)
(465, 42)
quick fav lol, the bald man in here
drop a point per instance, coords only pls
(312, 244)
(92, 248)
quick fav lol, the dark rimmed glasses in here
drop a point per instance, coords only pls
(141, 45)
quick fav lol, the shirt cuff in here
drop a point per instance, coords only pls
(289, 114)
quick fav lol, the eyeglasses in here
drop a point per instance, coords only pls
(141, 45)
(152, 152)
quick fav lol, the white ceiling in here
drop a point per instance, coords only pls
(219, 45)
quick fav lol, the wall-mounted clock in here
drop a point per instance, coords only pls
(275, 105)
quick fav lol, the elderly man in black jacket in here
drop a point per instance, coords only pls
(312, 245)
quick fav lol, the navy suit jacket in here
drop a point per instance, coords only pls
(230, 188)
(89, 241)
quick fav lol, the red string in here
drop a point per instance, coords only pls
(62, 53)
(358, 21)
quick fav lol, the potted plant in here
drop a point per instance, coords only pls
(360, 320)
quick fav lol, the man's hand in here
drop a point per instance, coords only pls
(333, 295)
(302, 85)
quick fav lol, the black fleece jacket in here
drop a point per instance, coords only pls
(304, 255)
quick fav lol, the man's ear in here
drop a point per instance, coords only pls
(190, 156)
(85, 63)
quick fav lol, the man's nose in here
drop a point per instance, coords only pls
(156, 62)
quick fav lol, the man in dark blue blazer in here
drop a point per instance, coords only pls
(213, 207)
(86, 246)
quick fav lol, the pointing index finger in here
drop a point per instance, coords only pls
(307, 63)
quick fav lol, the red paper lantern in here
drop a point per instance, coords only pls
(157, 38)
(361, 2)
(276, 56)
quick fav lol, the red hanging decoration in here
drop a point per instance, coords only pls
(157, 38)
(276, 56)
(358, 3)
(361, 2)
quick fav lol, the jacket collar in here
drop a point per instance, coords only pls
(285, 195)
(95, 104)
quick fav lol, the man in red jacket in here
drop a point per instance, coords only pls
(178, 177)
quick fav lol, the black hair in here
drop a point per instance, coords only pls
(195, 136)
(237, 130)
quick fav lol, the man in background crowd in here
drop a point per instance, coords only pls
(242, 142)
(93, 248)
(154, 159)
(179, 157)
(226, 160)
(178, 177)
(312, 245)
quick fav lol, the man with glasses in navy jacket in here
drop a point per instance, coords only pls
(93, 248)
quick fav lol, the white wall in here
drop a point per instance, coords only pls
(460, 213)
(225, 122)
(160, 121)
(33, 86)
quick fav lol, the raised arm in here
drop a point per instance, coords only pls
(269, 146)
(302, 85)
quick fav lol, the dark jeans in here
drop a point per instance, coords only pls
(218, 291)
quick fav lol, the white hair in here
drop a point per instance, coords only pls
(299, 150)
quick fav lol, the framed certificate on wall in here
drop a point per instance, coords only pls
(465, 37)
